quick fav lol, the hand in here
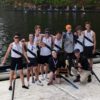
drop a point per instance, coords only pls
(28, 61)
(93, 51)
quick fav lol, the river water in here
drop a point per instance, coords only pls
(11, 22)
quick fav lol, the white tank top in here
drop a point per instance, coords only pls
(90, 36)
(78, 45)
(17, 47)
(44, 51)
(32, 48)
(58, 43)
(36, 39)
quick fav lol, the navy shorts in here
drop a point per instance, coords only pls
(33, 62)
(44, 59)
(16, 64)
(88, 52)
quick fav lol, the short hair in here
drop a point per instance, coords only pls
(88, 22)
(16, 34)
(68, 26)
(58, 32)
(37, 26)
(79, 27)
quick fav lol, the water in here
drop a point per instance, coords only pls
(11, 22)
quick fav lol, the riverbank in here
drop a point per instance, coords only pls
(63, 91)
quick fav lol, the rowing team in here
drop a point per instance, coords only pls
(48, 53)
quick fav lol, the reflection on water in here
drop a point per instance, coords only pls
(11, 22)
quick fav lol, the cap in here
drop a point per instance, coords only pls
(76, 51)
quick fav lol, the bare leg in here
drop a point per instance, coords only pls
(51, 75)
(35, 70)
(11, 77)
(22, 77)
(46, 70)
(90, 62)
(42, 70)
(28, 74)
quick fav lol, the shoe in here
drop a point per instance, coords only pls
(42, 78)
(71, 75)
(50, 83)
(89, 78)
(25, 87)
(77, 79)
(10, 88)
(38, 82)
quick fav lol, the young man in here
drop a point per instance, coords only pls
(79, 39)
(68, 39)
(53, 67)
(37, 39)
(17, 50)
(81, 68)
(45, 52)
(58, 42)
(32, 56)
(89, 42)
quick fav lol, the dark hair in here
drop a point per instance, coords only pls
(79, 27)
(58, 32)
(17, 34)
(87, 22)
(37, 26)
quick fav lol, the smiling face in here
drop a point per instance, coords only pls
(88, 26)
(54, 54)
(68, 28)
(58, 35)
(77, 54)
(16, 38)
(30, 37)
(37, 30)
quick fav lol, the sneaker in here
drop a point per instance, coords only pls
(89, 78)
(71, 75)
(50, 83)
(42, 78)
(38, 82)
(77, 79)
(25, 87)
(10, 88)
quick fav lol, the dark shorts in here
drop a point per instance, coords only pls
(88, 52)
(44, 59)
(53, 70)
(16, 64)
(61, 58)
(33, 62)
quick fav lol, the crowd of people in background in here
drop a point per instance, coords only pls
(46, 54)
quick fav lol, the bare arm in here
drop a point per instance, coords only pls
(24, 53)
(7, 54)
(94, 40)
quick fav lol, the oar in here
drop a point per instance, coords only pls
(69, 82)
(95, 76)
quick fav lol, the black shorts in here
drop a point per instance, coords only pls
(88, 52)
(33, 62)
(61, 58)
(16, 64)
(44, 59)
